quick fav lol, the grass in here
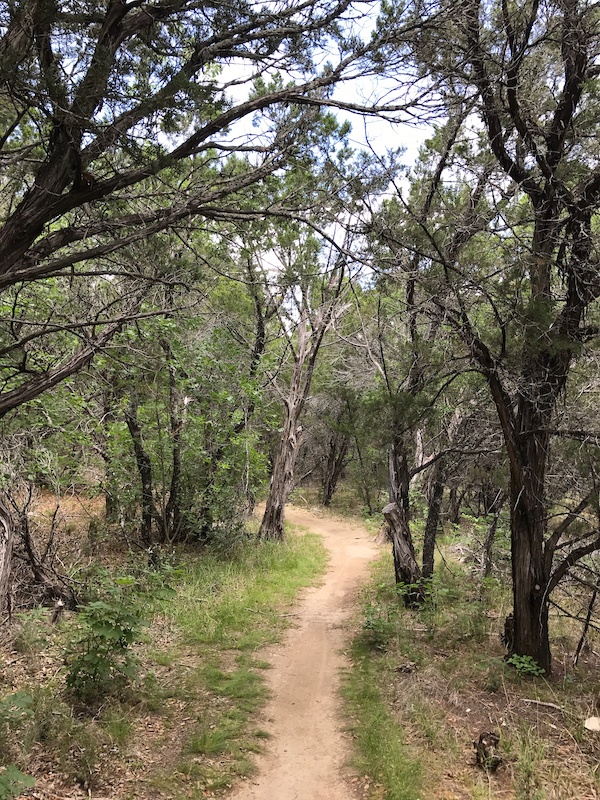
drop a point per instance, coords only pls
(223, 612)
(382, 750)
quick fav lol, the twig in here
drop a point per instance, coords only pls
(540, 703)
(585, 628)
(258, 611)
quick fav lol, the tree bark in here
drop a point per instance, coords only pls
(310, 331)
(172, 522)
(336, 461)
(488, 545)
(434, 511)
(406, 569)
(7, 536)
(144, 466)
(282, 479)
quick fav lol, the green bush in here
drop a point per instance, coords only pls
(99, 659)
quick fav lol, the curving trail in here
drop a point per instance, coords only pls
(307, 755)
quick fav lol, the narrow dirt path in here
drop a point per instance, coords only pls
(307, 754)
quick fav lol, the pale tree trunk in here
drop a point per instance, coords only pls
(7, 536)
(309, 336)
(282, 479)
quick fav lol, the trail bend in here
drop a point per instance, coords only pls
(306, 757)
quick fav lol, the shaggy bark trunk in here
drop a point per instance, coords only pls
(527, 442)
(530, 577)
(7, 536)
(406, 569)
(144, 466)
(434, 511)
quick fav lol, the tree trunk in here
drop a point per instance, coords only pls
(436, 495)
(454, 503)
(144, 466)
(336, 461)
(282, 480)
(7, 536)
(366, 489)
(308, 342)
(111, 505)
(406, 569)
(528, 526)
(172, 523)
(488, 545)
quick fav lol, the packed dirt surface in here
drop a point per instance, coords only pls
(308, 753)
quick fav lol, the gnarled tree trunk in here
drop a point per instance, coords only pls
(406, 569)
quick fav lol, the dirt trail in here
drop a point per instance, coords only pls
(306, 756)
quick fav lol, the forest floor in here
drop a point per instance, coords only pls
(308, 754)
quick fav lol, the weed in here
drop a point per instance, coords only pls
(31, 635)
(117, 724)
(378, 628)
(382, 751)
(525, 666)
(15, 710)
(529, 752)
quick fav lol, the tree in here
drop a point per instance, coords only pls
(118, 122)
(314, 300)
(516, 254)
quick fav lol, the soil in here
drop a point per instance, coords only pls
(308, 755)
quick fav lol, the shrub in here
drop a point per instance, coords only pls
(99, 658)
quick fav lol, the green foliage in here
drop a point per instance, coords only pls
(99, 658)
(15, 708)
(13, 782)
(379, 626)
(525, 666)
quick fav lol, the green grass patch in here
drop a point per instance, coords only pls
(382, 751)
(236, 603)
